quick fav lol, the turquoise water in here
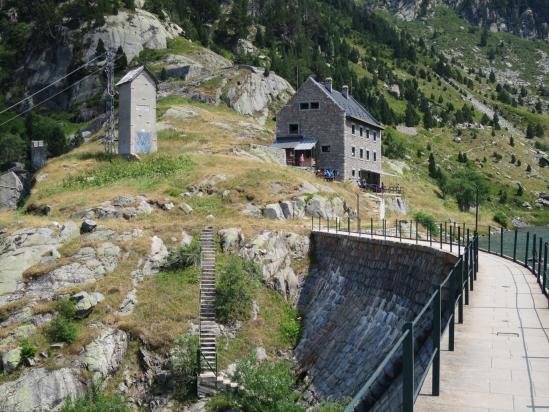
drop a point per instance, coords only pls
(509, 240)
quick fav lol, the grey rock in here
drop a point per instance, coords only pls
(11, 360)
(231, 239)
(273, 211)
(88, 226)
(157, 258)
(186, 239)
(38, 389)
(105, 353)
(261, 354)
(84, 303)
(251, 210)
(186, 208)
(12, 190)
(288, 207)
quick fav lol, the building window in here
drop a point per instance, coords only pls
(361, 153)
(325, 149)
(367, 155)
(353, 152)
(353, 172)
(293, 128)
(367, 134)
(375, 136)
(315, 105)
(375, 156)
(353, 129)
(361, 131)
(303, 106)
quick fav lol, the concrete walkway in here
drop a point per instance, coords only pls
(501, 356)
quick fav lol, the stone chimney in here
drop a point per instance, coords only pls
(328, 84)
(345, 91)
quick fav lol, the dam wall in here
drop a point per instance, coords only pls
(355, 301)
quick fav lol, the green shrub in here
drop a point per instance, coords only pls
(427, 221)
(221, 403)
(62, 330)
(96, 401)
(501, 218)
(332, 406)
(66, 309)
(234, 290)
(184, 365)
(185, 256)
(290, 326)
(268, 387)
(28, 350)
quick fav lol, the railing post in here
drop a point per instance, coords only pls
(319, 227)
(489, 237)
(515, 246)
(476, 254)
(408, 369)
(460, 301)
(501, 241)
(451, 238)
(445, 232)
(436, 341)
(349, 224)
(396, 227)
(411, 224)
(452, 304)
(400, 230)
(459, 240)
(198, 359)
(544, 267)
(465, 274)
(384, 229)
(372, 227)
(440, 227)
(471, 255)
(312, 222)
(526, 249)
(539, 259)
(328, 224)
(417, 240)
(534, 254)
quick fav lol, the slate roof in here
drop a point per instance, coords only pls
(133, 74)
(352, 108)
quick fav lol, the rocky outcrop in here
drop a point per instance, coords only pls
(38, 390)
(303, 206)
(85, 303)
(26, 247)
(105, 353)
(125, 206)
(273, 251)
(12, 190)
(231, 239)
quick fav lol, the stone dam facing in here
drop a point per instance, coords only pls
(355, 301)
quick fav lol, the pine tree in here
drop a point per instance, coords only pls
(411, 116)
(539, 132)
(100, 49)
(121, 61)
(428, 120)
(528, 168)
(511, 141)
(484, 37)
(492, 77)
(520, 190)
(433, 170)
(530, 133)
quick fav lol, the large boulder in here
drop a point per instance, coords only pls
(38, 389)
(105, 353)
(274, 251)
(12, 190)
(273, 211)
(157, 258)
(11, 360)
(85, 303)
(26, 247)
(231, 239)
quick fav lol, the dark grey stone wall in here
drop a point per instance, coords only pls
(355, 302)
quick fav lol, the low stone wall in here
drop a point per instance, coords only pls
(355, 301)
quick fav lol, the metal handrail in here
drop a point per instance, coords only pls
(466, 268)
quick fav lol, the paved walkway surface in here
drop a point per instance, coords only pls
(501, 356)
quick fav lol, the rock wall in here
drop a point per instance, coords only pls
(355, 302)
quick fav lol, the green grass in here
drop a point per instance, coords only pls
(152, 167)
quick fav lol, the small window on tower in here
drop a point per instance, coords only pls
(367, 134)
(353, 172)
(315, 105)
(361, 131)
(361, 153)
(367, 155)
(304, 106)
(353, 129)
(294, 128)
(353, 151)
(375, 136)
(375, 156)
(325, 149)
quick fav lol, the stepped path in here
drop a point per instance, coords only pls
(207, 379)
(501, 356)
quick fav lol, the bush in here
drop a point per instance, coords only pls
(185, 256)
(28, 350)
(290, 326)
(62, 330)
(12, 149)
(427, 221)
(332, 406)
(268, 387)
(234, 291)
(66, 309)
(393, 147)
(501, 218)
(221, 403)
(185, 366)
(96, 401)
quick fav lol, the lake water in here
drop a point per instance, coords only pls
(509, 240)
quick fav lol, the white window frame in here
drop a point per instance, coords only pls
(298, 129)
(361, 130)
(367, 133)
(367, 155)
(353, 151)
(375, 136)
(306, 108)
(311, 106)
(361, 153)
(353, 172)
(353, 127)
(375, 156)
(325, 151)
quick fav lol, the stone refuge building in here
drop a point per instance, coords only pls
(137, 112)
(323, 128)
